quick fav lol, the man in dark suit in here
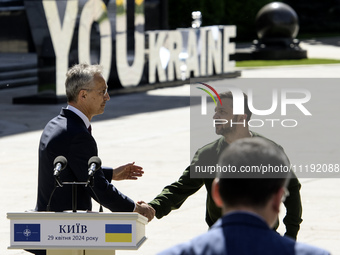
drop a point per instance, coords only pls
(69, 135)
(250, 205)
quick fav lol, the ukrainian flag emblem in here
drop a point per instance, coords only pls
(118, 233)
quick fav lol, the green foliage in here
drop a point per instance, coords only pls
(243, 15)
(315, 16)
(180, 12)
(310, 61)
(218, 12)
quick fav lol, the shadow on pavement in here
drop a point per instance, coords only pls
(16, 118)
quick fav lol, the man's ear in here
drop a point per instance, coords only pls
(82, 94)
(277, 199)
(243, 117)
(216, 193)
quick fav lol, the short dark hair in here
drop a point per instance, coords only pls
(251, 191)
(229, 94)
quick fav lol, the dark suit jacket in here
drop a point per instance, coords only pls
(242, 233)
(68, 136)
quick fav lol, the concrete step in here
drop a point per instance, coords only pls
(18, 69)
(18, 82)
(18, 74)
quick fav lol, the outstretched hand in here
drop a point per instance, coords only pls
(127, 172)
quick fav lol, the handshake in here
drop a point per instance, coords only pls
(145, 210)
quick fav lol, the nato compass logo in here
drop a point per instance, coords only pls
(26, 232)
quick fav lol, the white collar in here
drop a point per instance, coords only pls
(80, 114)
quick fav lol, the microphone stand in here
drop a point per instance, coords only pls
(74, 193)
(90, 184)
(59, 183)
(74, 197)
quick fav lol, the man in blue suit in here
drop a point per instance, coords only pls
(250, 205)
(69, 135)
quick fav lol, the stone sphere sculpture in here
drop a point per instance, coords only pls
(276, 20)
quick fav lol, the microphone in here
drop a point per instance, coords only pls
(94, 164)
(59, 163)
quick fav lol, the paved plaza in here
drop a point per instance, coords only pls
(153, 129)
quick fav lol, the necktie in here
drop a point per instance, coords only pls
(90, 129)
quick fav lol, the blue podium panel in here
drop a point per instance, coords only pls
(49, 230)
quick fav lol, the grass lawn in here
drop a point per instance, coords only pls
(309, 61)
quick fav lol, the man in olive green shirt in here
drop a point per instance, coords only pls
(174, 195)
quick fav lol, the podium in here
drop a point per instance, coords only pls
(80, 233)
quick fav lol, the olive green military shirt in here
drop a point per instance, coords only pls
(174, 195)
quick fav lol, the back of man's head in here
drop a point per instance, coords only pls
(248, 189)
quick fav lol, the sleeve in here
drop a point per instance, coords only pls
(83, 148)
(293, 205)
(108, 172)
(174, 195)
(108, 196)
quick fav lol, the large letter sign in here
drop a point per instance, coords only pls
(61, 32)
(129, 74)
(66, 32)
(95, 11)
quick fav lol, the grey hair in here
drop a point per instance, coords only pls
(78, 77)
